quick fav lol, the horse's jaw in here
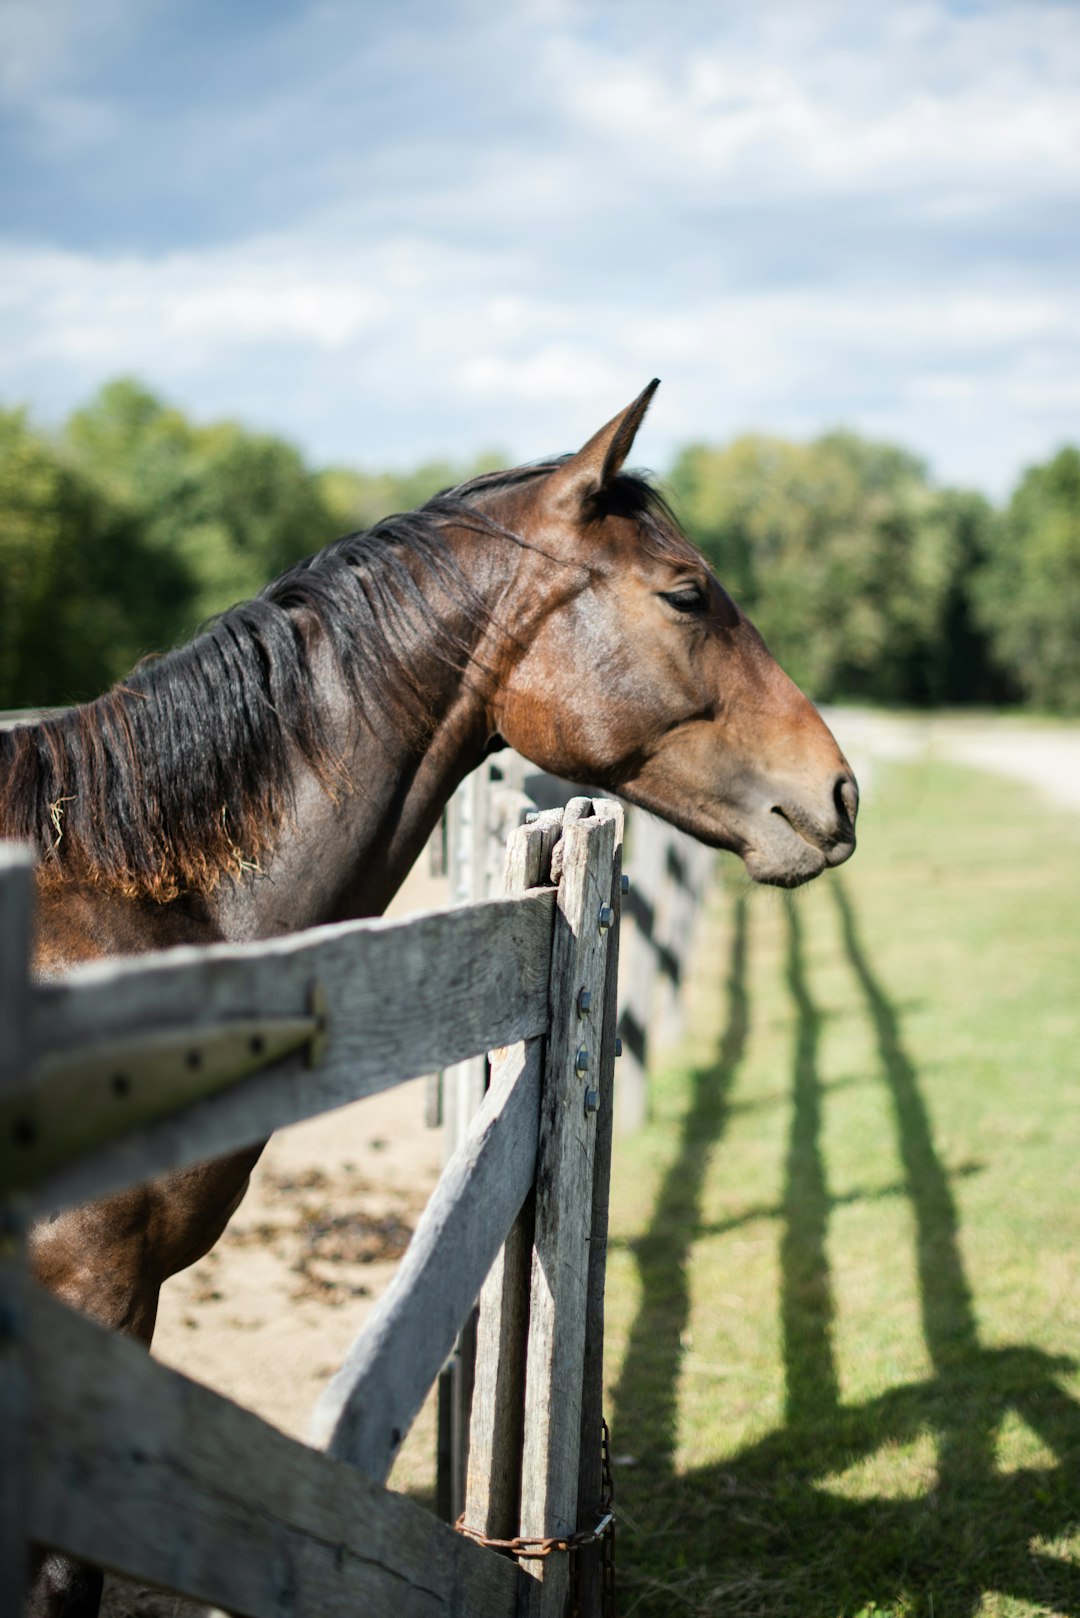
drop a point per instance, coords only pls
(774, 851)
(788, 822)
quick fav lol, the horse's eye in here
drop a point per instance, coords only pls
(687, 598)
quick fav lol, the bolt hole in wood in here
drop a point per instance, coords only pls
(256, 1044)
(121, 1084)
(194, 1060)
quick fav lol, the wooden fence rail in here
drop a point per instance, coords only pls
(395, 998)
(123, 1069)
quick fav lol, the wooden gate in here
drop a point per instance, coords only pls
(124, 1069)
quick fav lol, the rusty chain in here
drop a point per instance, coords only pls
(524, 1547)
(539, 1547)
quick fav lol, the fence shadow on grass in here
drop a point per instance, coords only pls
(759, 1534)
(649, 1387)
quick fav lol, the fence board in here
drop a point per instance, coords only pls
(671, 874)
(401, 997)
(16, 898)
(492, 1495)
(557, 1306)
(15, 902)
(481, 817)
(371, 1403)
(463, 1083)
(181, 1488)
(85, 1098)
(587, 1570)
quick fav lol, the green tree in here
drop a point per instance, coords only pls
(233, 507)
(1028, 593)
(967, 668)
(78, 584)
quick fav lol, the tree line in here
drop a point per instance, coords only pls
(129, 526)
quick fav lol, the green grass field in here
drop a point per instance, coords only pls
(844, 1287)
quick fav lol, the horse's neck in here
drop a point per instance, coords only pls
(346, 849)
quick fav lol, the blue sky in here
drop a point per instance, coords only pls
(392, 232)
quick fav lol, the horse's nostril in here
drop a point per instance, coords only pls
(846, 798)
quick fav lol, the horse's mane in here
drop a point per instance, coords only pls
(181, 773)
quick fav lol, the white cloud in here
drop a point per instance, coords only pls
(931, 99)
(545, 373)
(253, 328)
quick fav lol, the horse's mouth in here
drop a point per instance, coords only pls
(763, 867)
(781, 846)
(792, 850)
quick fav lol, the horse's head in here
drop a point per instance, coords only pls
(633, 669)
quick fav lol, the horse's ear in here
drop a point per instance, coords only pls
(584, 475)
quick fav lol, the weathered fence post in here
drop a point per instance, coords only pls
(589, 1563)
(535, 1467)
(480, 817)
(466, 851)
(493, 1494)
(559, 1293)
(15, 906)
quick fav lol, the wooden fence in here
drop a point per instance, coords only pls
(127, 1068)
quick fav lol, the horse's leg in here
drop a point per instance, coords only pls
(108, 1261)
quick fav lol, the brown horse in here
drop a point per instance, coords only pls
(287, 767)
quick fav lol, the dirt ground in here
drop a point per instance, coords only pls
(268, 1315)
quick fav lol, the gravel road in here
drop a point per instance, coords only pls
(1043, 753)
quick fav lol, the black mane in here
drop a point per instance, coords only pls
(181, 772)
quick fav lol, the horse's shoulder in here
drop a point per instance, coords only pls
(76, 923)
